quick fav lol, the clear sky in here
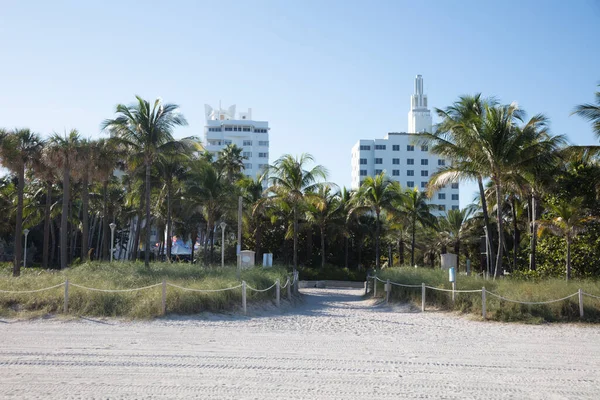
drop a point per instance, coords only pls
(323, 73)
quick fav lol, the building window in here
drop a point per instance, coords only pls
(410, 183)
(454, 197)
(424, 148)
(424, 185)
(363, 172)
(247, 154)
(455, 207)
(247, 166)
(396, 172)
(379, 161)
(380, 147)
(227, 141)
(260, 130)
(229, 128)
(377, 171)
(246, 129)
(365, 147)
(395, 161)
(247, 142)
(454, 185)
(363, 161)
(424, 161)
(263, 155)
(261, 166)
(410, 172)
(263, 142)
(441, 196)
(395, 147)
(442, 207)
(441, 162)
(424, 173)
(410, 147)
(410, 161)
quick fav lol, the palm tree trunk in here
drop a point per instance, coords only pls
(412, 245)
(194, 237)
(64, 218)
(46, 246)
(401, 251)
(53, 243)
(84, 218)
(148, 230)
(516, 233)
(322, 247)
(377, 232)
(486, 219)
(532, 256)
(169, 227)
(257, 240)
(19, 222)
(98, 242)
(390, 256)
(105, 222)
(295, 238)
(457, 251)
(498, 270)
(568, 257)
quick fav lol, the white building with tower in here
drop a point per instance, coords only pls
(403, 159)
(224, 127)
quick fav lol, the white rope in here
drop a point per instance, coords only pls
(591, 295)
(32, 291)
(531, 302)
(204, 290)
(114, 290)
(455, 291)
(409, 286)
(261, 290)
(286, 283)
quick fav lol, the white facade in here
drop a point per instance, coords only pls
(402, 159)
(223, 127)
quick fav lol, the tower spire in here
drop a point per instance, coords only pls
(419, 116)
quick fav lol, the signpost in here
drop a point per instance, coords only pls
(452, 279)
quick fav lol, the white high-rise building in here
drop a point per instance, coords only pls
(223, 127)
(402, 158)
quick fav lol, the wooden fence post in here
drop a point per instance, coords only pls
(580, 303)
(278, 293)
(164, 297)
(423, 297)
(375, 287)
(244, 296)
(388, 289)
(66, 306)
(483, 305)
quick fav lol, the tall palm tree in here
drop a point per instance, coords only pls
(568, 219)
(417, 211)
(375, 195)
(84, 171)
(590, 112)
(256, 206)
(45, 173)
(146, 130)
(322, 210)
(346, 202)
(18, 149)
(290, 182)
(231, 162)
(62, 152)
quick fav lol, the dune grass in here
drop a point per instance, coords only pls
(140, 304)
(497, 309)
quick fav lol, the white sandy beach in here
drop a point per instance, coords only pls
(332, 346)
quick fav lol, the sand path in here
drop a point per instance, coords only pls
(334, 345)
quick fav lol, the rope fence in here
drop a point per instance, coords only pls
(164, 284)
(388, 289)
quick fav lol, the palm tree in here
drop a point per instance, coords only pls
(84, 171)
(45, 173)
(18, 149)
(322, 210)
(346, 202)
(256, 205)
(568, 220)
(290, 181)
(454, 223)
(416, 209)
(62, 152)
(146, 130)
(590, 112)
(231, 162)
(375, 195)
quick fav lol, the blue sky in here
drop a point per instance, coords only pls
(323, 73)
